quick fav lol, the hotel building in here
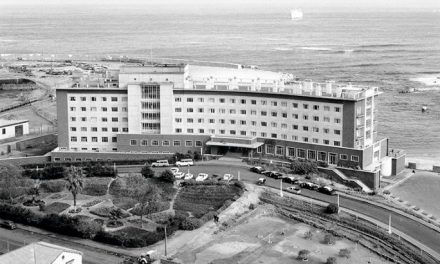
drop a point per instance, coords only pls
(142, 110)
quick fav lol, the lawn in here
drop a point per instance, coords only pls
(56, 208)
(96, 186)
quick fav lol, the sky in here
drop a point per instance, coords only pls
(253, 4)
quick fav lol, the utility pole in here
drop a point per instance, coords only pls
(165, 227)
(338, 203)
(238, 177)
(389, 225)
(281, 188)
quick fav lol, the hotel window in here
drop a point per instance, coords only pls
(283, 136)
(72, 108)
(263, 134)
(222, 121)
(305, 139)
(326, 119)
(200, 120)
(337, 143)
(83, 119)
(295, 127)
(316, 118)
(284, 115)
(189, 110)
(104, 99)
(83, 99)
(274, 114)
(199, 143)
(133, 142)
(284, 104)
(291, 152)
(326, 108)
(305, 128)
(211, 121)
(190, 120)
(124, 99)
(201, 130)
(73, 139)
(253, 133)
(337, 109)
(114, 99)
(93, 99)
(176, 143)
(279, 151)
(144, 142)
(93, 109)
(212, 110)
(232, 101)
(260, 149)
(178, 110)
(104, 129)
(222, 110)
(355, 158)
(114, 119)
(273, 135)
(284, 126)
(305, 117)
(295, 116)
(301, 153)
(337, 120)
(166, 143)
(114, 139)
(83, 139)
(326, 130)
(295, 105)
(200, 110)
(222, 100)
(94, 139)
(73, 129)
(315, 129)
(232, 111)
(243, 112)
(343, 156)
(73, 119)
(178, 130)
(104, 109)
(243, 133)
(211, 131)
(115, 129)
(315, 140)
(125, 129)
(190, 130)
(305, 106)
(295, 138)
(201, 99)
(264, 124)
(211, 100)
(263, 102)
(94, 129)
(232, 132)
(274, 103)
(125, 119)
(154, 143)
(72, 98)
(315, 107)
(242, 122)
(322, 156)
(337, 132)
(178, 120)
(188, 143)
(189, 99)
(222, 131)
(253, 123)
(311, 155)
(254, 102)
(243, 101)
(114, 109)
(83, 129)
(83, 109)
(273, 124)
(270, 149)
(178, 99)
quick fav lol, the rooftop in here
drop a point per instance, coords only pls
(5, 122)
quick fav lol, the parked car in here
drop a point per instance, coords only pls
(185, 162)
(215, 175)
(228, 177)
(202, 177)
(174, 170)
(160, 163)
(257, 169)
(261, 181)
(189, 176)
(9, 225)
(309, 185)
(277, 175)
(290, 179)
(179, 175)
(293, 189)
(327, 190)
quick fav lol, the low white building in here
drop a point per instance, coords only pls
(13, 128)
(42, 253)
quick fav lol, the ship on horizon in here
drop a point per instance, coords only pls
(296, 14)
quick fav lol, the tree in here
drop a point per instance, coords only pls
(345, 253)
(331, 260)
(147, 172)
(167, 176)
(308, 235)
(329, 239)
(303, 254)
(332, 208)
(9, 180)
(75, 181)
(148, 197)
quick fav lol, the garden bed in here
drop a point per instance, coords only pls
(56, 208)
(96, 186)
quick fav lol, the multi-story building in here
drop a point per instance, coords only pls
(175, 108)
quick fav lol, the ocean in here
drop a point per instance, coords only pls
(391, 50)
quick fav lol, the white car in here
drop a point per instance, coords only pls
(160, 163)
(189, 176)
(228, 177)
(185, 162)
(179, 175)
(202, 177)
(293, 189)
(174, 170)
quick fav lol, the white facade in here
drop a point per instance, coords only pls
(13, 128)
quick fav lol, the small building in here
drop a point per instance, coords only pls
(13, 128)
(42, 253)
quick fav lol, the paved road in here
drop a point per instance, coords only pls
(13, 239)
(414, 229)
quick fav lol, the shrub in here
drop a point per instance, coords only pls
(56, 208)
(114, 224)
(329, 239)
(167, 176)
(95, 186)
(303, 167)
(190, 223)
(332, 208)
(98, 170)
(323, 164)
(53, 186)
(53, 172)
(308, 235)
(348, 164)
(147, 172)
(72, 226)
(303, 254)
(91, 203)
(129, 237)
(331, 260)
(345, 253)
(251, 206)
(75, 211)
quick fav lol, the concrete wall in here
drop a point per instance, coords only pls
(398, 164)
(32, 142)
(62, 119)
(63, 156)
(25, 160)
(371, 179)
(9, 130)
(348, 124)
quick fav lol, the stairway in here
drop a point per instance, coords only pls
(364, 187)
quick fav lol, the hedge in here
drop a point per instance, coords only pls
(53, 186)
(130, 237)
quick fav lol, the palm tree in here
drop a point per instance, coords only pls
(75, 181)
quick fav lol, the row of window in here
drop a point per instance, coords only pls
(94, 139)
(306, 154)
(262, 102)
(165, 143)
(95, 119)
(95, 129)
(94, 109)
(95, 99)
(222, 121)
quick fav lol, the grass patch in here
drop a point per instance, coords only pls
(124, 203)
(91, 203)
(56, 208)
(96, 186)
(106, 211)
(123, 186)
(53, 186)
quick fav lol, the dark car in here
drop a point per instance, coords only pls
(8, 225)
(257, 169)
(290, 179)
(327, 190)
(309, 185)
(277, 175)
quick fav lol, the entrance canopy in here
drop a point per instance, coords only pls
(237, 142)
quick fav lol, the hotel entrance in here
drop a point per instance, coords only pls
(332, 158)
